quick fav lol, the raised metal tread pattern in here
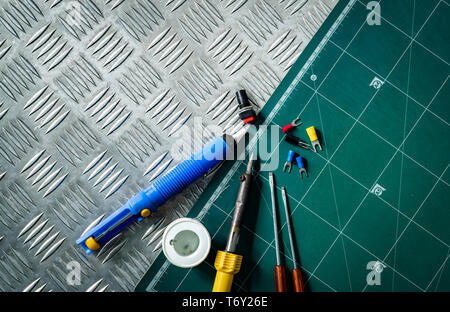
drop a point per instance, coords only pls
(93, 94)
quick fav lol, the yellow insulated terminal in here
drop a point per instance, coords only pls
(227, 265)
(313, 137)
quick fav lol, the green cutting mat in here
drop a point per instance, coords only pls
(395, 138)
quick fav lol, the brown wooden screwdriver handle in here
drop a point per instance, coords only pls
(280, 279)
(297, 280)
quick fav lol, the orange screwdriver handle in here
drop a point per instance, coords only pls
(297, 280)
(280, 279)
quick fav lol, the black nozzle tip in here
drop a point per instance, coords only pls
(242, 98)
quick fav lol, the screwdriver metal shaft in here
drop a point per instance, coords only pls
(280, 273)
(296, 272)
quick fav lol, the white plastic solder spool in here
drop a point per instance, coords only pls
(186, 242)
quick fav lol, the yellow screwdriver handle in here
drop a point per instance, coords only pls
(227, 265)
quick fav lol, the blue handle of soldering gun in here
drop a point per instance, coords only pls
(159, 192)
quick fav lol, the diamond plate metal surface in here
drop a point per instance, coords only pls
(92, 95)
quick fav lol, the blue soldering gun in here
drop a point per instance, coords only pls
(147, 201)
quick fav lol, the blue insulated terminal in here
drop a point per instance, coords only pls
(301, 166)
(299, 160)
(289, 160)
